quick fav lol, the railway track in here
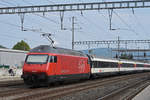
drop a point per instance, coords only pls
(127, 92)
(11, 83)
(63, 91)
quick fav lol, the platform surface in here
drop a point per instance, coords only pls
(5, 76)
(143, 95)
(9, 78)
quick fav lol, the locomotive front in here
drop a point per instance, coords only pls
(34, 69)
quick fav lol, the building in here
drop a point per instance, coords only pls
(12, 57)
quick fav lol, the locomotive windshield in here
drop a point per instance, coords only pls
(36, 59)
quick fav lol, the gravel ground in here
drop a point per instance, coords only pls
(95, 93)
(92, 93)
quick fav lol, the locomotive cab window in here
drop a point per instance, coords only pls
(36, 59)
(53, 59)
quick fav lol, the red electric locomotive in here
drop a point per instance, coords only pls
(45, 64)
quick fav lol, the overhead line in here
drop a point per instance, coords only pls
(3, 4)
(139, 23)
(7, 2)
(9, 36)
(42, 16)
(129, 27)
(32, 30)
(98, 27)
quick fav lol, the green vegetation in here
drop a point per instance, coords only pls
(126, 56)
(21, 46)
(2, 46)
(4, 66)
(90, 51)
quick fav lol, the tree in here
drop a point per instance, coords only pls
(21, 46)
(90, 51)
(116, 56)
(2, 46)
(126, 56)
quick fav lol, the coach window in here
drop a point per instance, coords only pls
(93, 63)
(96, 64)
(112, 64)
(102, 64)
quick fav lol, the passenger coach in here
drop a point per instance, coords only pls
(102, 66)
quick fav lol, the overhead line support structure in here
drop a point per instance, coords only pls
(75, 7)
(110, 42)
(73, 32)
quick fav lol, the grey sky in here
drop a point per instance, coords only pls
(94, 24)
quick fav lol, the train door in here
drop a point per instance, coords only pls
(52, 65)
(119, 66)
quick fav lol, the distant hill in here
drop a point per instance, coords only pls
(104, 52)
(108, 53)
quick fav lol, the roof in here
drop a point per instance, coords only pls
(97, 58)
(57, 50)
(13, 51)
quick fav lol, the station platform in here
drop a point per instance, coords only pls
(10, 78)
(5, 76)
(143, 95)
